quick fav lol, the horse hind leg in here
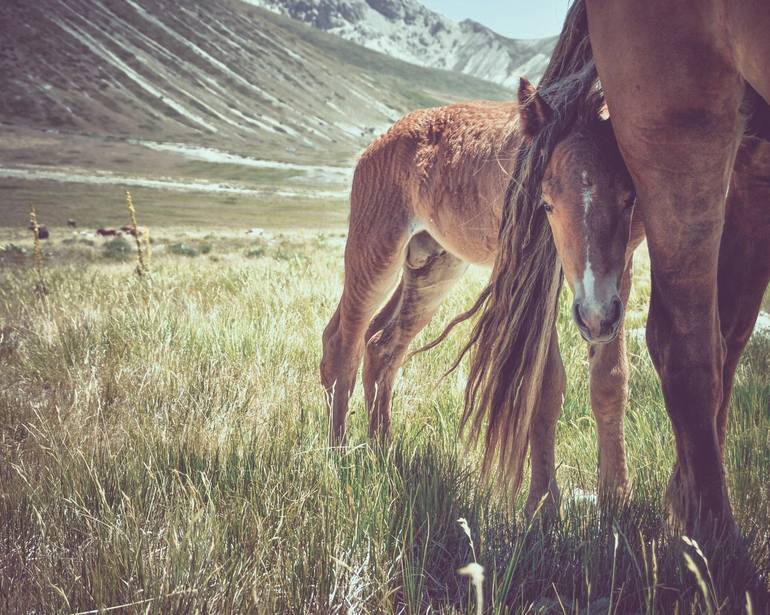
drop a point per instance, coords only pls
(429, 274)
(373, 255)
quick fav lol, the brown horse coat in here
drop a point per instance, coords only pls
(680, 80)
(426, 200)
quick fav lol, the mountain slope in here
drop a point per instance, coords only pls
(193, 104)
(407, 30)
(217, 73)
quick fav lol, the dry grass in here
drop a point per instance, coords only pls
(142, 267)
(166, 450)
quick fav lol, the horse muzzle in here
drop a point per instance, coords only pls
(598, 323)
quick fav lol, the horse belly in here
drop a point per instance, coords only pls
(466, 228)
(748, 24)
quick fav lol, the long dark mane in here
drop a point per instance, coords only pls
(509, 342)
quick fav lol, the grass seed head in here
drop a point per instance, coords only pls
(141, 266)
(475, 572)
(40, 286)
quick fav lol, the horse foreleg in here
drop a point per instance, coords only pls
(744, 267)
(678, 127)
(542, 435)
(609, 393)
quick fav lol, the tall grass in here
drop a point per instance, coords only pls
(169, 453)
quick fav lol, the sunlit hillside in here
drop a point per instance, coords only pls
(219, 113)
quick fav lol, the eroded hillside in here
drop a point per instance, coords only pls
(193, 102)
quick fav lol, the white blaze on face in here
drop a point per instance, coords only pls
(589, 285)
(588, 195)
(589, 280)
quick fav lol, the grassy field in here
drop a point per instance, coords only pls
(163, 450)
(95, 206)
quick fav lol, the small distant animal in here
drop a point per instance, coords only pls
(130, 229)
(107, 231)
(71, 222)
(42, 231)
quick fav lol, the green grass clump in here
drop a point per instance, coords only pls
(257, 252)
(183, 249)
(12, 253)
(117, 249)
(168, 451)
(74, 241)
(190, 248)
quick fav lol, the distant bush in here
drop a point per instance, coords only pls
(12, 253)
(287, 250)
(11, 249)
(255, 252)
(117, 249)
(181, 249)
(78, 240)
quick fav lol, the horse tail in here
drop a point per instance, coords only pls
(510, 340)
(460, 318)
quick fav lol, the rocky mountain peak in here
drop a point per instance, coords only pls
(407, 30)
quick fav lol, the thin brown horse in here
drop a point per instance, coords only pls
(426, 201)
(683, 82)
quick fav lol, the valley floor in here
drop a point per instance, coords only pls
(70, 175)
(163, 449)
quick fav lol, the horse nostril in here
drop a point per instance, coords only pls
(577, 316)
(616, 310)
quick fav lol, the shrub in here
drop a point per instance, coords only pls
(181, 249)
(11, 249)
(12, 253)
(117, 249)
(255, 252)
(78, 240)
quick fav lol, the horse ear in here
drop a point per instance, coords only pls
(534, 112)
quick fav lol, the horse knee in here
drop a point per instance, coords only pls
(329, 360)
(554, 387)
(328, 343)
(379, 352)
(610, 386)
(339, 362)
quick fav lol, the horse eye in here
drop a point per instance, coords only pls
(548, 207)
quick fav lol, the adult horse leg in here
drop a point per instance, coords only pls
(744, 264)
(429, 273)
(608, 369)
(374, 253)
(542, 435)
(678, 127)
